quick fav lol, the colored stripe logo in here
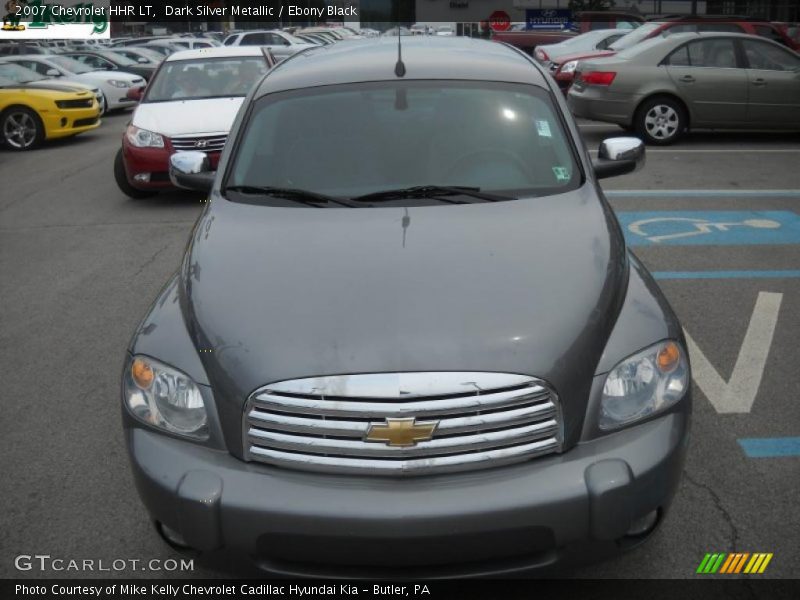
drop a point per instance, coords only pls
(736, 562)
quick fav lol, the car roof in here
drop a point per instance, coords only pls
(425, 58)
(215, 52)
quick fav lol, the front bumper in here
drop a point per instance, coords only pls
(148, 168)
(68, 122)
(505, 521)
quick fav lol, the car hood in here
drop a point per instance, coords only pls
(529, 286)
(58, 87)
(100, 77)
(178, 117)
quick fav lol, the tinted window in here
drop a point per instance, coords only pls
(687, 28)
(761, 55)
(714, 53)
(253, 39)
(491, 136)
(767, 32)
(679, 58)
(608, 41)
(721, 27)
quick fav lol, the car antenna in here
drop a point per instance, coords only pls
(399, 67)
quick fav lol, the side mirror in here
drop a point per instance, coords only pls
(191, 170)
(53, 73)
(142, 60)
(618, 156)
(135, 93)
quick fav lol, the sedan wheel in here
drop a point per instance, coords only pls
(22, 129)
(661, 121)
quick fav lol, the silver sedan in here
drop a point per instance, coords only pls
(663, 87)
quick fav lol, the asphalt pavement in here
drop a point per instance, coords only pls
(716, 218)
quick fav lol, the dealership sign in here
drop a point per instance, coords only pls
(548, 18)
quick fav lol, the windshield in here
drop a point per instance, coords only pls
(385, 136)
(19, 73)
(70, 64)
(635, 36)
(206, 78)
(117, 58)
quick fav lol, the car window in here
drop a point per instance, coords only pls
(253, 39)
(70, 64)
(37, 66)
(685, 28)
(767, 57)
(713, 53)
(491, 136)
(768, 32)
(721, 27)
(603, 44)
(679, 57)
(273, 39)
(19, 73)
(205, 78)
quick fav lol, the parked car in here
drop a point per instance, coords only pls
(324, 343)
(529, 40)
(314, 38)
(109, 60)
(140, 54)
(31, 78)
(163, 47)
(189, 105)
(137, 41)
(564, 68)
(663, 87)
(281, 44)
(16, 48)
(599, 39)
(114, 85)
(193, 43)
(31, 114)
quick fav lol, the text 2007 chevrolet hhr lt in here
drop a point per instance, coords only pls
(407, 337)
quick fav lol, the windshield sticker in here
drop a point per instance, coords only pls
(543, 128)
(562, 173)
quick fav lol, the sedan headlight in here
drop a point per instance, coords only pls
(569, 67)
(141, 138)
(643, 384)
(119, 83)
(164, 397)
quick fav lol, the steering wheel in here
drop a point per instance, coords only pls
(468, 162)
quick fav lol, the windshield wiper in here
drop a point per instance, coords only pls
(302, 196)
(432, 191)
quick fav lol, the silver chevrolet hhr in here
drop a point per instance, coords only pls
(407, 337)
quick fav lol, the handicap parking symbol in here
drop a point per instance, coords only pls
(710, 227)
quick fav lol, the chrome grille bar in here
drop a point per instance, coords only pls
(362, 423)
(208, 143)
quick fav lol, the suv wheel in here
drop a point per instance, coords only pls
(21, 128)
(121, 177)
(660, 121)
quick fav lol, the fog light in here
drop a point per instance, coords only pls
(64, 122)
(142, 177)
(643, 524)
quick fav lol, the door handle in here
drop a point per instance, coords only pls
(687, 79)
(760, 82)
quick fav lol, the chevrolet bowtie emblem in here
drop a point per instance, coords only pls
(401, 432)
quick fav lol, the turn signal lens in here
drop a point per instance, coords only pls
(668, 357)
(142, 374)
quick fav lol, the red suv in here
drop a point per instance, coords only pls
(563, 70)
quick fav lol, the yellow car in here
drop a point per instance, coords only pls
(30, 115)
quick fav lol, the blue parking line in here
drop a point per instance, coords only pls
(770, 447)
(789, 274)
(750, 194)
(710, 228)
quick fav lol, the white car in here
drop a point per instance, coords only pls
(29, 77)
(189, 104)
(281, 44)
(114, 84)
(599, 39)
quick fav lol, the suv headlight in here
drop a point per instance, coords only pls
(141, 138)
(119, 83)
(643, 384)
(164, 397)
(569, 67)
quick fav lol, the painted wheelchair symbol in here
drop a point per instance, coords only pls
(690, 227)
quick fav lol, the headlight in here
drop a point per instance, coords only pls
(569, 67)
(164, 397)
(141, 138)
(644, 384)
(119, 83)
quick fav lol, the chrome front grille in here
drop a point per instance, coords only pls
(202, 143)
(364, 423)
